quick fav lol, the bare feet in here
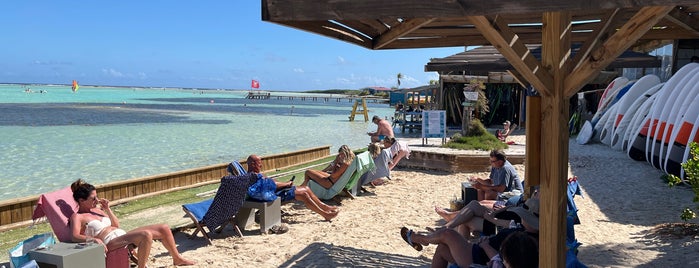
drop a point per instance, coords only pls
(331, 215)
(442, 212)
(181, 261)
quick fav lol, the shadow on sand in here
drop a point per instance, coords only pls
(328, 255)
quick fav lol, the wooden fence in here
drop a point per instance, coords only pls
(18, 212)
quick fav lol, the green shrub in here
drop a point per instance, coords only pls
(478, 138)
(691, 169)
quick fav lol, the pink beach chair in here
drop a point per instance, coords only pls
(57, 207)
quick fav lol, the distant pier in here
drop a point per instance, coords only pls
(339, 98)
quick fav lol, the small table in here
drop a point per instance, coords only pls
(468, 193)
(67, 255)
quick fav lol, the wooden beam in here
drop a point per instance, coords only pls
(515, 51)
(684, 20)
(520, 80)
(636, 27)
(314, 10)
(399, 31)
(555, 54)
(600, 34)
(325, 28)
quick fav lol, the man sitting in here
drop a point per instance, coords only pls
(287, 192)
(383, 129)
(503, 178)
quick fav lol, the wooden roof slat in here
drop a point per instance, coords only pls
(514, 50)
(322, 28)
(614, 46)
(376, 24)
(683, 19)
(398, 31)
(310, 10)
(600, 34)
(363, 27)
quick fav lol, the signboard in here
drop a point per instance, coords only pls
(434, 124)
(471, 95)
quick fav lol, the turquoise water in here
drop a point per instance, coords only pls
(109, 134)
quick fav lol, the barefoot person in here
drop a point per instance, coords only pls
(329, 175)
(287, 192)
(383, 129)
(101, 224)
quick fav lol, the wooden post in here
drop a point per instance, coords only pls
(532, 174)
(554, 133)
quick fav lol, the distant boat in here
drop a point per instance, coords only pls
(75, 86)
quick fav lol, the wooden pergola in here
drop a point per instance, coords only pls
(604, 28)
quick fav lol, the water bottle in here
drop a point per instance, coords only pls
(513, 224)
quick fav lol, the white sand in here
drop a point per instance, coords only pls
(623, 200)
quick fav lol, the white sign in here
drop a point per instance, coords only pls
(471, 95)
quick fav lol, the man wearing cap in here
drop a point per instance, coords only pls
(452, 247)
(383, 129)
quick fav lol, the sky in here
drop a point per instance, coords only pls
(193, 44)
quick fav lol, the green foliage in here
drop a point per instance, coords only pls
(478, 138)
(691, 169)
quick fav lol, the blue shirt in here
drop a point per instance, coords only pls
(506, 175)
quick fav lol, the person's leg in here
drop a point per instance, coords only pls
(458, 250)
(472, 209)
(141, 238)
(163, 233)
(490, 195)
(317, 176)
(446, 215)
(302, 195)
(313, 197)
(397, 159)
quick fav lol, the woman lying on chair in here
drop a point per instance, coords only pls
(104, 227)
(332, 172)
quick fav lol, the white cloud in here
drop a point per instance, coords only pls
(341, 60)
(298, 70)
(112, 72)
(142, 75)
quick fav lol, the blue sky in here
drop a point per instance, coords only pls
(207, 44)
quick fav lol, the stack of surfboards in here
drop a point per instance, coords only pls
(649, 120)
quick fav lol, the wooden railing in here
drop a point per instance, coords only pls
(18, 212)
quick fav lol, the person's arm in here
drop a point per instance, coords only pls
(499, 222)
(105, 207)
(75, 226)
(489, 250)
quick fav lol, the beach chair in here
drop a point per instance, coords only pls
(57, 207)
(215, 213)
(270, 212)
(348, 181)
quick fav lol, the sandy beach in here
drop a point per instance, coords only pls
(622, 202)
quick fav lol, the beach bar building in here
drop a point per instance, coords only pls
(504, 86)
(603, 28)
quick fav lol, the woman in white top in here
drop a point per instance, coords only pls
(399, 149)
(103, 225)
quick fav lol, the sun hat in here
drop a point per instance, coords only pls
(529, 216)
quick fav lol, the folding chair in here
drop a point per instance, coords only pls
(57, 207)
(220, 210)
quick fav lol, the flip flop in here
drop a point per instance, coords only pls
(279, 229)
(407, 234)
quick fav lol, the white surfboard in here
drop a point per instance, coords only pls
(585, 133)
(662, 110)
(628, 98)
(676, 118)
(620, 137)
(636, 126)
(607, 97)
(679, 139)
(693, 137)
(605, 135)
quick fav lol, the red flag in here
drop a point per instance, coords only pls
(255, 84)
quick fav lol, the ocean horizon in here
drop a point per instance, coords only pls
(107, 134)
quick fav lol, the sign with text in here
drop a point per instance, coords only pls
(471, 95)
(434, 124)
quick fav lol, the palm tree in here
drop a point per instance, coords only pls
(399, 76)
